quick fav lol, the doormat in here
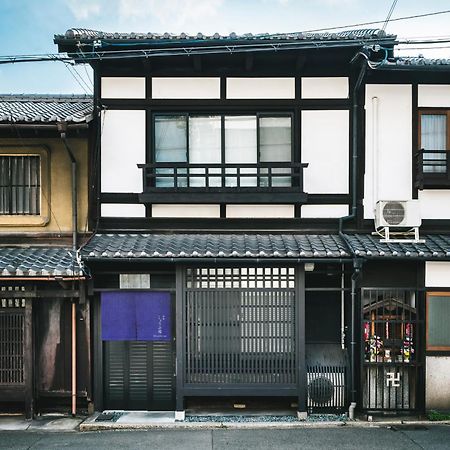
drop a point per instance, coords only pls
(109, 417)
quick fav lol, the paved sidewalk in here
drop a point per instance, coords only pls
(48, 422)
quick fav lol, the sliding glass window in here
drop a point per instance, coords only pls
(223, 150)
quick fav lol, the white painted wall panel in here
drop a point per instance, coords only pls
(325, 146)
(260, 88)
(185, 87)
(437, 385)
(437, 274)
(122, 210)
(388, 136)
(323, 211)
(185, 210)
(434, 95)
(325, 87)
(122, 148)
(260, 211)
(123, 87)
(434, 203)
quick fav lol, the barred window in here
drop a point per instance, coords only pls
(20, 185)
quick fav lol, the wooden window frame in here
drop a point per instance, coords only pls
(43, 217)
(445, 348)
(434, 111)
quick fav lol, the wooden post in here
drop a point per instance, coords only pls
(28, 359)
(301, 348)
(179, 340)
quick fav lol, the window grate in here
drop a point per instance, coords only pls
(20, 185)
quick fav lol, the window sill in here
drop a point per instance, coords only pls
(23, 221)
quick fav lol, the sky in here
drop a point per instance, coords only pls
(28, 26)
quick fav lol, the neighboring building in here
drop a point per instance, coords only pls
(238, 179)
(42, 290)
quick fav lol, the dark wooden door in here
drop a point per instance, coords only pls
(139, 375)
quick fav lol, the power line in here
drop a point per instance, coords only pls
(394, 3)
(417, 16)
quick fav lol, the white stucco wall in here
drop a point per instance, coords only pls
(260, 211)
(122, 210)
(324, 211)
(325, 147)
(389, 139)
(437, 384)
(433, 95)
(254, 88)
(186, 87)
(324, 87)
(186, 211)
(122, 148)
(123, 87)
(437, 274)
(434, 203)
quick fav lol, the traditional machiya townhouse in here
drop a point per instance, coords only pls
(44, 313)
(272, 221)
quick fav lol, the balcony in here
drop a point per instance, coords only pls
(274, 182)
(432, 169)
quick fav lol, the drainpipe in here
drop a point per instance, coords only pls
(62, 127)
(355, 276)
(355, 108)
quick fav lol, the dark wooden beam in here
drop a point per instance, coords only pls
(300, 63)
(55, 293)
(249, 62)
(28, 360)
(197, 60)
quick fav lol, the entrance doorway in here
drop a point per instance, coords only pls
(138, 350)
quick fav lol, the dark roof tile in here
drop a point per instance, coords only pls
(38, 262)
(16, 108)
(214, 246)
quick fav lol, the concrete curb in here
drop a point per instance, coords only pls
(91, 425)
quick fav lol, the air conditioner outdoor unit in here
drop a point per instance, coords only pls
(398, 215)
(327, 389)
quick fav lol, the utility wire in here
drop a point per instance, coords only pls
(394, 3)
(416, 16)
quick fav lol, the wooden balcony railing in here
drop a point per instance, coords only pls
(277, 182)
(432, 169)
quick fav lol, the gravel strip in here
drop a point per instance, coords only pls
(266, 418)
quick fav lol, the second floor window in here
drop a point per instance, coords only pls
(20, 183)
(253, 150)
(434, 140)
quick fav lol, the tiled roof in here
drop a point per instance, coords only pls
(84, 34)
(16, 108)
(421, 61)
(38, 262)
(163, 246)
(368, 246)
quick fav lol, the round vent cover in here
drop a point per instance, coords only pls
(321, 390)
(394, 213)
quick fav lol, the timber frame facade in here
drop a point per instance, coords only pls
(235, 184)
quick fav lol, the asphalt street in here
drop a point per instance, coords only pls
(399, 437)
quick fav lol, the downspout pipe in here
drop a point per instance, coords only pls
(355, 131)
(354, 279)
(62, 126)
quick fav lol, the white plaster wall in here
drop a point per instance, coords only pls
(434, 203)
(324, 211)
(434, 95)
(325, 146)
(437, 384)
(185, 87)
(122, 148)
(186, 211)
(391, 136)
(122, 210)
(437, 274)
(123, 87)
(324, 87)
(260, 211)
(260, 88)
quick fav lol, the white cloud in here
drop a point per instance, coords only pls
(84, 9)
(171, 14)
